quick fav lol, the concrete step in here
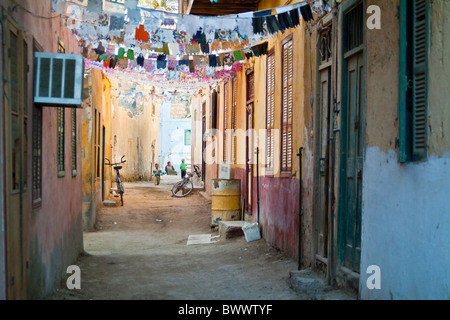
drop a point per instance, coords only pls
(110, 203)
(231, 229)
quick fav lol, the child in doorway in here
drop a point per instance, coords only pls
(157, 173)
(183, 167)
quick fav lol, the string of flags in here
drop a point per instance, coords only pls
(133, 43)
(127, 36)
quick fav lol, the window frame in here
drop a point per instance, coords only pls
(286, 126)
(270, 114)
(408, 127)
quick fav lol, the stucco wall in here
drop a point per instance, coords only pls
(405, 218)
(171, 138)
(134, 129)
(97, 100)
(405, 227)
(54, 230)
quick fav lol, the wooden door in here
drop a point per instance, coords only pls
(321, 213)
(249, 159)
(16, 122)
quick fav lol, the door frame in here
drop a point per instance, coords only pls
(318, 114)
(248, 193)
(343, 61)
(15, 271)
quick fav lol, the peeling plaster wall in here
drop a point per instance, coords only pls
(134, 130)
(405, 219)
(405, 226)
(171, 139)
(96, 101)
(53, 231)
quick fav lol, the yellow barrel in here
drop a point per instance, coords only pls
(225, 200)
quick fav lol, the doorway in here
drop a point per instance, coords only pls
(352, 139)
(248, 194)
(322, 153)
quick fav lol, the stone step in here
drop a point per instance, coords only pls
(231, 229)
(110, 203)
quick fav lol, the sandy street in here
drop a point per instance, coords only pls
(140, 251)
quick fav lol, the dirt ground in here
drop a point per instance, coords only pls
(139, 251)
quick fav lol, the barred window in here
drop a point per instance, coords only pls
(60, 140)
(37, 154)
(74, 141)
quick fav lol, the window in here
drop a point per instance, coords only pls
(213, 110)
(37, 154)
(187, 137)
(98, 145)
(270, 108)
(233, 119)
(287, 101)
(225, 122)
(61, 127)
(413, 104)
(60, 140)
(74, 141)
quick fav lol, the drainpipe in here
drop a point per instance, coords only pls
(300, 211)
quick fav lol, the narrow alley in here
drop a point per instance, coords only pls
(320, 126)
(139, 251)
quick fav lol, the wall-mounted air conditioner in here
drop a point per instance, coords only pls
(58, 79)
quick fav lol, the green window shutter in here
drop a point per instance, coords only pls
(421, 45)
(403, 85)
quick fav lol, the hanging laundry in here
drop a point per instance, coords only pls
(95, 6)
(237, 55)
(130, 54)
(141, 34)
(140, 60)
(121, 53)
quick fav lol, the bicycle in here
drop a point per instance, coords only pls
(184, 187)
(120, 187)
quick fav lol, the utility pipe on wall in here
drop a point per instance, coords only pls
(300, 210)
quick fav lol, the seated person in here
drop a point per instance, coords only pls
(170, 170)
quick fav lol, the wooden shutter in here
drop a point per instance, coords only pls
(225, 121)
(421, 41)
(270, 108)
(233, 119)
(287, 105)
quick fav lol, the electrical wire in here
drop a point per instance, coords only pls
(32, 13)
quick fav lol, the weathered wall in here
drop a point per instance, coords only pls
(171, 137)
(2, 186)
(52, 231)
(405, 219)
(96, 101)
(135, 134)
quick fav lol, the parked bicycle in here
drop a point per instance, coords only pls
(184, 187)
(117, 167)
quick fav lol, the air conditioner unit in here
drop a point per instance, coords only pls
(58, 79)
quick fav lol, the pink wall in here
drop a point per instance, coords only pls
(55, 227)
